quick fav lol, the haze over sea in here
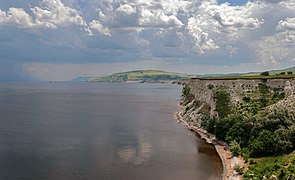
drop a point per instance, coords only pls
(98, 131)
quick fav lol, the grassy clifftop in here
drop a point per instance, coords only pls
(273, 74)
(226, 77)
(141, 76)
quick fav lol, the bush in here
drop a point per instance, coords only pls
(289, 72)
(222, 102)
(246, 99)
(263, 102)
(186, 90)
(252, 162)
(210, 86)
(186, 94)
(266, 73)
(209, 124)
(235, 148)
(238, 169)
(263, 88)
(263, 145)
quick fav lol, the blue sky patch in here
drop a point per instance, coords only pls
(233, 2)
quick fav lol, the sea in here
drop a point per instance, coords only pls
(98, 131)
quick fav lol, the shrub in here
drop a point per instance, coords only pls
(208, 123)
(263, 145)
(263, 102)
(282, 73)
(263, 88)
(210, 86)
(289, 72)
(235, 148)
(238, 169)
(186, 90)
(186, 94)
(246, 99)
(266, 73)
(222, 102)
(252, 162)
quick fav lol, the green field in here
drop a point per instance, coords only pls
(278, 76)
(273, 74)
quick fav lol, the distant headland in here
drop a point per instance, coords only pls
(138, 76)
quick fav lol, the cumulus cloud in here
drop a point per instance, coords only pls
(215, 25)
(16, 17)
(195, 31)
(52, 14)
(55, 13)
(198, 29)
(229, 18)
(287, 24)
(137, 14)
(98, 27)
(272, 49)
(278, 48)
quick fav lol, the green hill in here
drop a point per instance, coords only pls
(141, 76)
(273, 72)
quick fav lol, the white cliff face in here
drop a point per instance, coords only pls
(204, 96)
(287, 104)
(289, 88)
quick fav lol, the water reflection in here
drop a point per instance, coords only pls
(83, 131)
(136, 154)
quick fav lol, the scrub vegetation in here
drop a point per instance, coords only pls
(261, 134)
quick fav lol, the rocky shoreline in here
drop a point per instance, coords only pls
(228, 160)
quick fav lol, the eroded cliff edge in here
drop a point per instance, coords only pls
(216, 99)
(202, 91)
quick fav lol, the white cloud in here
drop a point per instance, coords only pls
(261, 32)
(198, 30)
(273, 1)
(52, 14)
(287, 24)
(55, 13)
(16, 17)
(98, 27)
(276, 48)
(214, 26)
(126, 9)
(229, 18)
(158, 19)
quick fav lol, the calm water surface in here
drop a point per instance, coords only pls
(98, 131)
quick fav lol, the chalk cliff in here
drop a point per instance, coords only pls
(204, 101)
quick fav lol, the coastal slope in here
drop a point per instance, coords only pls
(247, 118)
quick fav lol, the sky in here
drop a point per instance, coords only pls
(56, 40)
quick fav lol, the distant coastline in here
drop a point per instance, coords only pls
(138, 76)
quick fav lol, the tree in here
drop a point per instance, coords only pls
(266, 73)
(289, 72)
(264, 145)
(282, 73)
(222, 98)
